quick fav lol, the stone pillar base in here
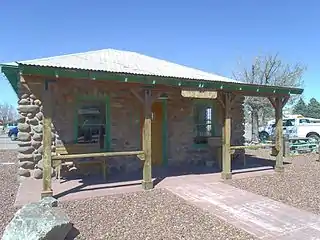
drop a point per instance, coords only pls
(147, 185)
(46, 194)
(226, 176)
(279, 168)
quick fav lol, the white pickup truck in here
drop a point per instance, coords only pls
(294, 127)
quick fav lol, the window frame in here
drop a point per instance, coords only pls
(107, 125)
(213, 120)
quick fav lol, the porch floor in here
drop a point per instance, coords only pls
(73, 189)
(260, 216)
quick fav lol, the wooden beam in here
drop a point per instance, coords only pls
(279, 135)
(252, 146)
(226, 156)
(273, 102)
(153, 96)
(233, 97)
(220, 99)
(146, 141)
(285, 100)
(150, 95)
(137, 95)
(47, 141)
(140, 154)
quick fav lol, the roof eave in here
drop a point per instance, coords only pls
(54, 72)
(11, 72)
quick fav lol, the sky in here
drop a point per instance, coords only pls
(210, 35)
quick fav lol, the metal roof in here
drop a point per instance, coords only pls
(118, 61)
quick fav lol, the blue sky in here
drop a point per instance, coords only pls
(209, 35)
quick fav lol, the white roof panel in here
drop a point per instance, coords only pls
(111, 60)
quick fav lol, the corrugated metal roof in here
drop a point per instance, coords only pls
(111, 60)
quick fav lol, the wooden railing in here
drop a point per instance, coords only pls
(258, 146)
(78, 151)
(140, 155)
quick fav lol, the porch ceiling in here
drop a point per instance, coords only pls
(124, 66)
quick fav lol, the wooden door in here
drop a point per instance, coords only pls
(156, 132)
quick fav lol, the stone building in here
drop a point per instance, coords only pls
(98, 100)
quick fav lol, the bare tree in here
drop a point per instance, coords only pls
(8, 112)
(268, 70)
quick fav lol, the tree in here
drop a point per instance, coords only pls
(313, 109)
(7, 112)
(268, 70)
(300, 108)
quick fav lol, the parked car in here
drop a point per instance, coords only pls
(11, 125)
(13, 133)
(294, 127)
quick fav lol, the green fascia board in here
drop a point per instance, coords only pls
(155, 80)
(11, 72)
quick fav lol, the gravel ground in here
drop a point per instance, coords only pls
(8, 186)
(8, 156)
(156, 214)
(298, 186)
(159, 214)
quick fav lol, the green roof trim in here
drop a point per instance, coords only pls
(12, 73)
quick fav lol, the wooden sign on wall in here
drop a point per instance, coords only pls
(199, 94)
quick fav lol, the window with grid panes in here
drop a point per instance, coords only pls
(91, 123)
(203, 127)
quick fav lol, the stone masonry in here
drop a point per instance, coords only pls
(180, 130)
(30, 135)
(125, 122)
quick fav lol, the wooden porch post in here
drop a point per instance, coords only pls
(279, 135)
(146, 141)
(226, 139)
(47, 141)
(278, 103)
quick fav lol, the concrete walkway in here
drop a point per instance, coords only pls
(6, 143)
(30, 189)
(260, 216)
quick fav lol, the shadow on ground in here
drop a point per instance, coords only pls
(251, 164)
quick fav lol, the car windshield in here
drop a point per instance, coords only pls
(304, 121)
(288, 123)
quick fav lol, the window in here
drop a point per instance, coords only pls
(289, 123)
(302, 121)
(203, 127)
(91, 123)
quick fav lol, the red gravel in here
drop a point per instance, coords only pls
(298, 186)
(156, 214)
(9, 187)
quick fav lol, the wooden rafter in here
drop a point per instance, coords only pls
(272, 101)
(233, 97)
(285, 100)
(140, 95)
(137, 95)
(220, 99)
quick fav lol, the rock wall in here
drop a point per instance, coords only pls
(30, 124)
(181, 148)
(125, 121)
